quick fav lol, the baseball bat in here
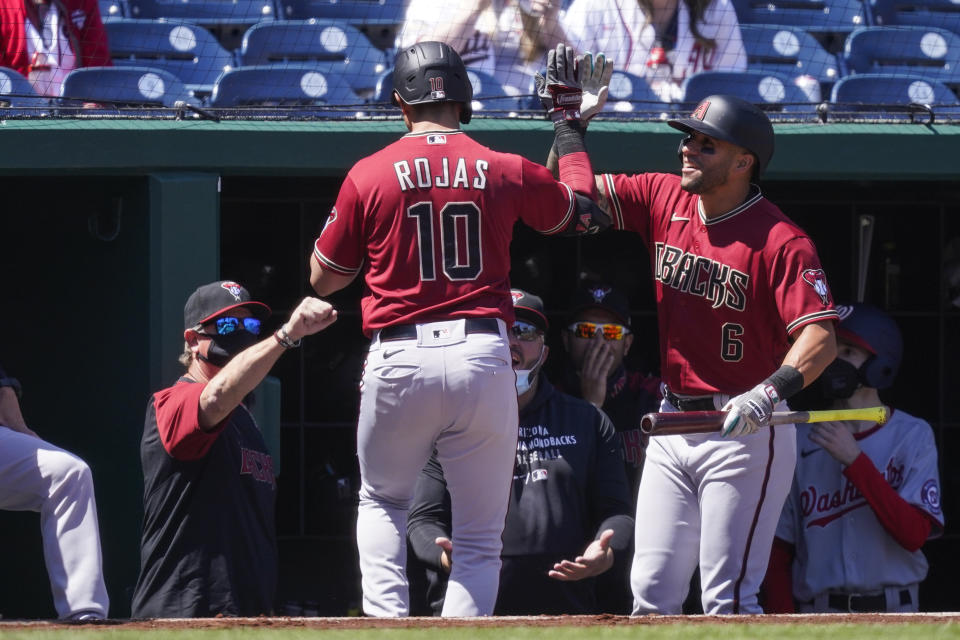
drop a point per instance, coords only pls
(682, 422)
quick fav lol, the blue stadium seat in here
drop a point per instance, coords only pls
(112, 9)
(204, 11)
(630, 94)
(354, 11)
(291, 86)
(339, 46)
(18, 97)
(488, 94)
(790, 51)
(773, 92)
(920, 13)
(873, 91)
(812, 15)
(186, 50)
(124, 86)
(925, 51)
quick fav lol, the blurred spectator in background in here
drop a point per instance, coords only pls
(507, 39)
(865, 496)
(569, 517)
(665, 41)
(45, 40)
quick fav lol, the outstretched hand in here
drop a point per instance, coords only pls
(595, 74)
(560, 91)
(596, 558)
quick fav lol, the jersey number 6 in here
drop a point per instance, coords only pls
(459, 226)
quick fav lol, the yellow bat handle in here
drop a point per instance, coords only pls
(869, 414)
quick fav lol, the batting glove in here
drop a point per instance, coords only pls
(749, 411)
(560, 91)
(595, 76)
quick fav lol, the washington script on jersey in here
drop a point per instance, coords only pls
(835, 505)
(426, 176)
(717, 282)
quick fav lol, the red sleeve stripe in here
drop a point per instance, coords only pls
(333, 266)
(614, 201)
(830, 314)
(571, 201)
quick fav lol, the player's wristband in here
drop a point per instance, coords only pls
(283, 338)
(787, 380)
(568, 137)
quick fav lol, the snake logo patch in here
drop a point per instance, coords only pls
(817, 279)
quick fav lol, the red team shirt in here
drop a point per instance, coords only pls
(731, 290)
(429, 220)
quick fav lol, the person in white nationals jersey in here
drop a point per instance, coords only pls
(865, 497)
(746, 321)
(428, 221)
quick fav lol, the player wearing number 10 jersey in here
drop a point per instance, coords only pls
(428, 222)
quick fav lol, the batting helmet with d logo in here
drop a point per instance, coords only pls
(432, 72)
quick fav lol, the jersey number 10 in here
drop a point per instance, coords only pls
(451, 251)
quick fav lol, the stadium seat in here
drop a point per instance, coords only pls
(812, 15)
(17, 95)
(630, 94)
(291, 86)
(790, 51)
(112, 9)
(773, 92)
(488, 93)
(354, 11)
(926, 51)
(874, 91)
(124, 86)
(204, 11)
(339, 46)
(920, 13)
(186, 50)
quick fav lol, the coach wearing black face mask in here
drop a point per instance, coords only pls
(209, 546)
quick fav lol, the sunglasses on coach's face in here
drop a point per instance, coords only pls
(525, 332)
(610, 331)
(228, 324)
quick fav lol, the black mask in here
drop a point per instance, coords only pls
(224, 347)
(839, 380)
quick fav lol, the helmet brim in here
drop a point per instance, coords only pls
(690, 125)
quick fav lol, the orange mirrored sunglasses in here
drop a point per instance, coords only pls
(589, 329)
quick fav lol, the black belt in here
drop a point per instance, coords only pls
(689, 404)
(409, 331)
(864, 604)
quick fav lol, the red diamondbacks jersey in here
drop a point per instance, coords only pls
(730, 290)
(429, 220)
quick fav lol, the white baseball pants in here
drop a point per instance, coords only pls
(38, 476)
(455, 391)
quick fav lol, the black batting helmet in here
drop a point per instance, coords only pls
(874, 331)
(734, 120)
(432, 72)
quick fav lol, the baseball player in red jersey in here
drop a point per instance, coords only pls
(428, 221)
(746, 321)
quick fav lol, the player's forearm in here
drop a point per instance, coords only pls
(777, 589)
(905, 523)
(814, 348)
(227, 389)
